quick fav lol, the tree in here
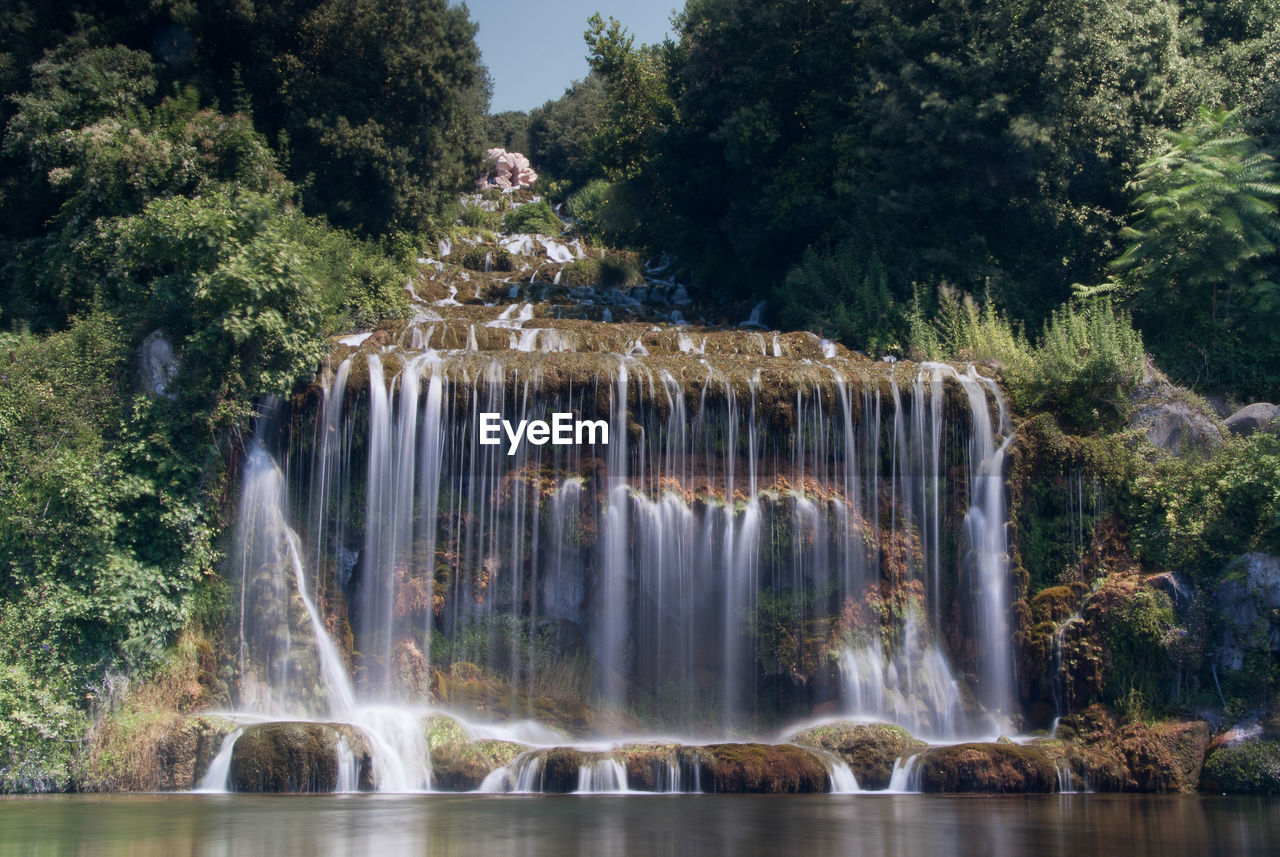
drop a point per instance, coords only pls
(561, 132)
(508, 130)
(380, 104)
(1200, 265)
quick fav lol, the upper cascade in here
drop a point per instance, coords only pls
(757, 527)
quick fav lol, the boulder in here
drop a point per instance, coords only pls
(1177, 428)
(870, 749)
(1260, 416)
(296, 757)
(654, 767)
(993, 768)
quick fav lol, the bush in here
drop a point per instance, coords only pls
(534, 217)
(581, 272)
(604, 213)
(618, 270)
(962, 331)
(1137, 634)
(1200, 515)
(1251, 767)
(475, 217)
(845, 296)
(1089, 361)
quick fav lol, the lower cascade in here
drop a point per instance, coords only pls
(754, 543)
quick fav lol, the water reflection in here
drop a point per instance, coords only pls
(507, 826)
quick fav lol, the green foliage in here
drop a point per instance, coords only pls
(475, 217)
(1201, 259)
(844, 296)
(604, 212)
(1199, 515)
(613, 270)
(104, 536)
(1138, 633)
(1250, 767)
(535, 217)
(962, 331)
(380, 103)
(619, 270)
(581, 272)
(507, 130)
(1089, 360)
(561, 132)
(482, 257)
(639, 105)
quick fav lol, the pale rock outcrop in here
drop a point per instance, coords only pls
(507, 170)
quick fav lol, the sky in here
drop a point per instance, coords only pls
(535, 50)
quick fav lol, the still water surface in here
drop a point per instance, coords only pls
(599, 826)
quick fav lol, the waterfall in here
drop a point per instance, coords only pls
(905, 777)
(602, 776)
(215, 779)
(749, 531)
(269, 556)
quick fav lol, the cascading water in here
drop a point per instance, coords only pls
(772, 528)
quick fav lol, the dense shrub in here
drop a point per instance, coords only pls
(620, 270)
(535, 217)
(475, 217)
(1251, 767)
(1088, 362)
(843, 295)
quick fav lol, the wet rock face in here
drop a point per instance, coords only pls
(290, 757)
(761, 769)
(1260, 416)
(1248, 609)
(185, 751)
(988, 769)
(870, 750)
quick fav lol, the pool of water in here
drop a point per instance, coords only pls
(601, 826)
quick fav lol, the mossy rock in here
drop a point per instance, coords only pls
(459, 763)
(1248, 767)
(1054, 605)
(870, 749)
(293, 757)
(761, 769)
(988, 769)
(186, 750)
